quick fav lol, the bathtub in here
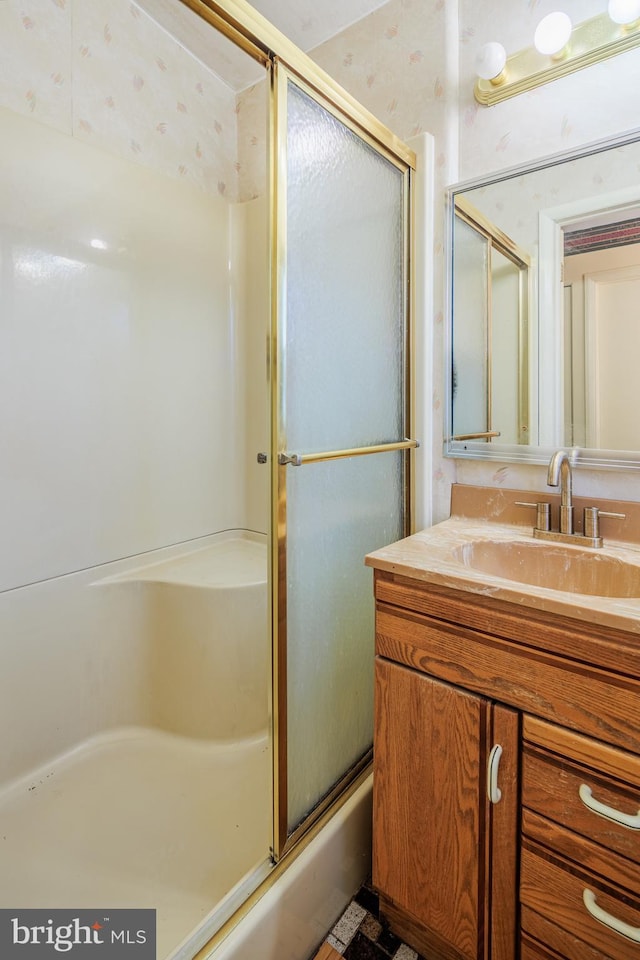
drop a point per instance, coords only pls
(139, 768)
(295, 913)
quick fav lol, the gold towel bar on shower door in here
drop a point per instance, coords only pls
(297, 459)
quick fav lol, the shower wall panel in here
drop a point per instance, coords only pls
(116, 355)
(250, 305)
(132, 351)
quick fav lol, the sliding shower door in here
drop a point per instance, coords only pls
(341, 458)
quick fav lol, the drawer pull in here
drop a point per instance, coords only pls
(631, 821)
(493, 790)
(619, 926)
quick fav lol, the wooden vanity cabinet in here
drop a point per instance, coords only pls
(432, 811)
(461, 877)
(580, 839)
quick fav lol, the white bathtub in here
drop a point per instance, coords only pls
(140, 762)
(293, 917)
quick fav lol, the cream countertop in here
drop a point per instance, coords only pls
(432, 557)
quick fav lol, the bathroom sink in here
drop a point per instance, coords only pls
(553, 566)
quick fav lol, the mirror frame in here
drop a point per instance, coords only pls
(539, 333)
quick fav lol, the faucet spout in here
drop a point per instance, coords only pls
(559, 474)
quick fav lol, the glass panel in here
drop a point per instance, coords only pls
(338, 511)
(134, 288)
(345, 387)
(345, 286)
(470, 330)
(505, 348)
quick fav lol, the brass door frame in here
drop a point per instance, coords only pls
(283, 61)
(248, 29)
(282, 76)
(498, 240)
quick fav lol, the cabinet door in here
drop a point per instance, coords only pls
(432, 815)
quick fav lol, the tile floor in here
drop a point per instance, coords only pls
(360, 935)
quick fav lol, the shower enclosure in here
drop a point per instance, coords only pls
(204, 384)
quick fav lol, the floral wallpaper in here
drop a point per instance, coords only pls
(412, 64)
(108, 74)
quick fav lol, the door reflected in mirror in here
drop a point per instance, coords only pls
(602, 332)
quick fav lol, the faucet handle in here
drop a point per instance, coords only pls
(592, 520)
(543, 513)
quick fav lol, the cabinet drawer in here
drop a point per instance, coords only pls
(595, 806)
(556, 893)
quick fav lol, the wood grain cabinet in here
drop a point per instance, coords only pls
(438, 836)
(506, 778)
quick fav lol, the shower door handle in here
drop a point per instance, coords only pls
(298, 459)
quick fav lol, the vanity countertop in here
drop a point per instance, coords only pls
(434, 555)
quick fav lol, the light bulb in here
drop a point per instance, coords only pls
(490, 61)
(552, 34)
(624, 11)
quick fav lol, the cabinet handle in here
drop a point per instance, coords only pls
(619, 926)
(631, 821)
(493, 790)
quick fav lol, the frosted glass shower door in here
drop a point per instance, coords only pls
(342, 468)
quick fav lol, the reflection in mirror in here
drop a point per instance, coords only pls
(567, 376)
(490, 337)
(601, 297)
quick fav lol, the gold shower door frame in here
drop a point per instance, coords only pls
(282, 461)
(285, 62)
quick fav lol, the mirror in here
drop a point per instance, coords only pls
(544, 315)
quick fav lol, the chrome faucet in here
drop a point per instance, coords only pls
(559, 474)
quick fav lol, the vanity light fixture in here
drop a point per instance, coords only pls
(624, 12)
(552, 35)
(559, 49)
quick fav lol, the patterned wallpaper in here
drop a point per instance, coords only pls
(412, 64)
(108, 74)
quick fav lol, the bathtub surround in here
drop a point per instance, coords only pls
(115, 363)
(133, 579)
(172, 635)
